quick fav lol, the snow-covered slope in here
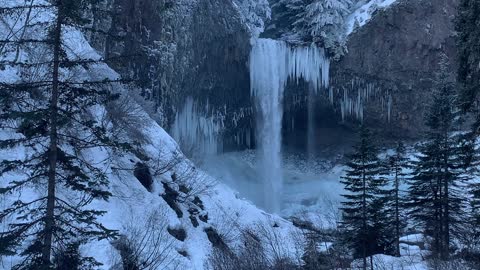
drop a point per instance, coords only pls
(364, 12)
(184, 214)
(132, 207)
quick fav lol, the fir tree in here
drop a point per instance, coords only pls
(434, 198)
(325, 22)
(319, 21)
(476, 208)
(397, 164)
(287, 16)
(468, 38)
(51, 110)
(363, 209)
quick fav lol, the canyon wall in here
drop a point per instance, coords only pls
(398, 54)
(199, 49)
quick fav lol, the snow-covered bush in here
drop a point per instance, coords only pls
(126, 118)
(253, 253)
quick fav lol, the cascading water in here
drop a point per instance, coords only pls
(272, 63)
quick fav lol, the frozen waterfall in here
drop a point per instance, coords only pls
(272, 64)
(197, 133)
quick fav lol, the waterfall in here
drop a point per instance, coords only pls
(272, 64)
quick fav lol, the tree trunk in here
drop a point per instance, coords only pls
(446, 215)
(52, 154)
(397, 215)
(438, 218)
(364, 220)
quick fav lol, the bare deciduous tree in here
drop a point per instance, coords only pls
(147, 245)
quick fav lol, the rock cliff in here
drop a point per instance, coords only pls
(200, 49)
(398, 53)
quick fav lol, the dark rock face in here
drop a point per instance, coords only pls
(200, 49)
(143, 175)
(189, 48)
(398, 52)
(180, 234)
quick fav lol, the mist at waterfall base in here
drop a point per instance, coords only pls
(309, 187)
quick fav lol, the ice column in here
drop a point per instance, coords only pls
(272, 64)
(197, 134)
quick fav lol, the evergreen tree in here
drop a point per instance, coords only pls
(468, 38)
(397, 163)
(287, 17)
(51, 105)
(325, 22)
(319, 21)
(434, 198)
(476, 208)
(364, 217)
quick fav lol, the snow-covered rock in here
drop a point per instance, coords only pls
(364, 12)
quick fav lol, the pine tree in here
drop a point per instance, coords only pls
(51, 107)
(287, 17)
(319, 21)
(325, 21)
(397, 163)
(468, 38)
(434, 198)
(363, 209)
(476, 208)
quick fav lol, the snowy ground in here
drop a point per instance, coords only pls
(132, 205)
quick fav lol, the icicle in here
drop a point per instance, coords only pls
(389, 107)
(194, 131)
(330, 95)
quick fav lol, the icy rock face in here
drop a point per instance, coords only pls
(385, 77)
(188, 48)
(197, 134)
(200, 48)
(272, 64)
(397, 52)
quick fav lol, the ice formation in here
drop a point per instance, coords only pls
(195, 132)
(272, 64)
(354, 99)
